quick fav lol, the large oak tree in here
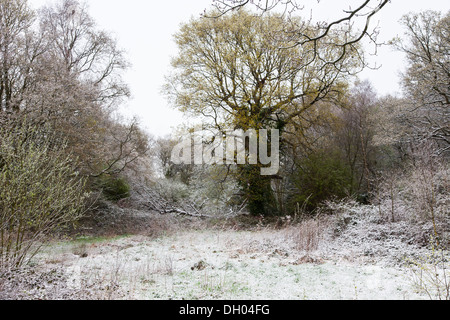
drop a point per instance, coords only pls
(245, 71)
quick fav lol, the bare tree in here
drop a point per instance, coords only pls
(20, 47)
(426, 81)
(126, 144)
(86, 51)
(57, 68)
(355, 135)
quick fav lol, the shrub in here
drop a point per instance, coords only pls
(114, 188)
(307, 235)
(321, 176)
(40, 191)
(420, 193)
(430, 273)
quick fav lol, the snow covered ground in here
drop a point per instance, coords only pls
(349, 257)
(224, 265)
(230, 265)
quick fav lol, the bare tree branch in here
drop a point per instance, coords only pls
(365, 12)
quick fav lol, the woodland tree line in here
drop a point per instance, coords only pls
(242, 65)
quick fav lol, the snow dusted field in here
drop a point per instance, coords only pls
(348, 257)
(230, 265)
(223, 265)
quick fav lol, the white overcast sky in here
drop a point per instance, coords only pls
(144, 30)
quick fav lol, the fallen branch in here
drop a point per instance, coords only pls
(185, 213)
